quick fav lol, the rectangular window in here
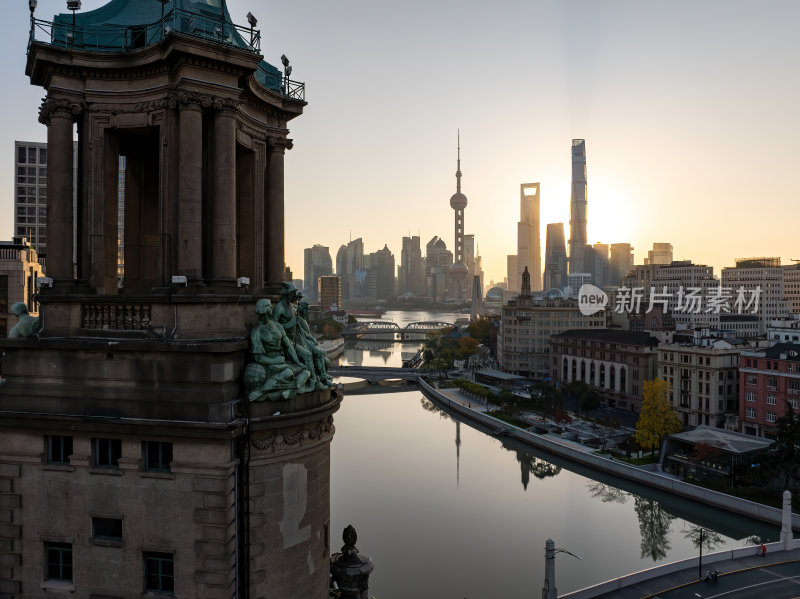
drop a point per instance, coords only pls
(157, 456)
(771, 400)
(59, 448)
(751, 379)
(107, 528)
(31, 155)
(751, 412)
(772, 382)
(21, 155)
(107, 452)
(794, 403)
(159, 572)
(750, 396)
(58, 561)
(42, 155)
(771, 416)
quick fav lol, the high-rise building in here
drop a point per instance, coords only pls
(791, 287)
(513, 277)
(457, 274)
(380, 267)
(330, 292)
(620, 262)
(528, 238)
(316, 263)
(349, 261)
(411, 272)
(595, 262)
(577, 207)
(660, 254)
(438, 260)
(762, 277)
(30, 197)
(555, 258)
(671, 282)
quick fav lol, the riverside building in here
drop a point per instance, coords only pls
(526, 324)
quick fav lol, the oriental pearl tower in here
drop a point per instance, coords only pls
(458, 271)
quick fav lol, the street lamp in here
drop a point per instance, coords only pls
(32, 5)
(287, 70)
(549, 589)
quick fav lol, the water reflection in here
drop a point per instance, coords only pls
(531, 465)
(606, 493)
(429, 406)
(655, 524)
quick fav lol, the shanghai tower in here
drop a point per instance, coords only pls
(577, 207)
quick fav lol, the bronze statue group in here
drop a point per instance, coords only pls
(286, 357)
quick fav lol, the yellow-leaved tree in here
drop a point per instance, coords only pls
(657, 419)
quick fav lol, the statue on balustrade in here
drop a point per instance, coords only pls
(276, 371)
(27, 326)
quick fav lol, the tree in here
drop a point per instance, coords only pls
(702, 537)
(657, 419)
(784, 455)
(589, 400)
(479, 329)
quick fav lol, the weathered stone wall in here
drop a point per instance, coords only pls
(189, 512)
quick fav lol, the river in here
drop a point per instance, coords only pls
(447, 511)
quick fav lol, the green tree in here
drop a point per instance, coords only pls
(589, 400)
(479, 329)
(784, 455)
(547, 398)
(657, 419)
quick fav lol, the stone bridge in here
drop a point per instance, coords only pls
(374, 374)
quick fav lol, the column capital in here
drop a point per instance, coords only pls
(279, 144)
(58, 107)
(226, 106)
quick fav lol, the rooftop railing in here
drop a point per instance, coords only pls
(123, 38)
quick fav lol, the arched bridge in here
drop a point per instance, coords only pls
(373, 374)
(384, 327)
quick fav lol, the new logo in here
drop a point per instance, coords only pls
(591, 299)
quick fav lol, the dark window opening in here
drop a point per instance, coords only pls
(58, 561)
(107, 452)
(159, 572)
(107, 528)
(157, 456)
(59, 448)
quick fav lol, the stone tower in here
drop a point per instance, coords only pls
(126, 437)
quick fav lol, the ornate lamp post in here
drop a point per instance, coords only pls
(549, 589)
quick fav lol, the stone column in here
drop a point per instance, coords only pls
(274, 228)
(223, 225)
(190, 192)
(58, 116)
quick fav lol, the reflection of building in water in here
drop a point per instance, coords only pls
(458, 453)
(131, 470)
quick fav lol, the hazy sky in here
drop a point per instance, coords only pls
(689, 110)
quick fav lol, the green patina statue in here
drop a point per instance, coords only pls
(270, 376)
(27, 326)
(285, 314)
(321, 361)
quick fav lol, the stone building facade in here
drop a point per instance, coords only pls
(615, 362)
(526, 324)
(131, 461)
(703, 373)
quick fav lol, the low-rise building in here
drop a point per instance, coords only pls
(615, 362)
(523, 342)
(769, 381)
(19, 269)
(703, 373)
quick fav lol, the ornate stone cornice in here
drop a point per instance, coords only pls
(280, 441)
(279, 144)
(135, 107)
(58, 107)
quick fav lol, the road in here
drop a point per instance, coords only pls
(780, 581)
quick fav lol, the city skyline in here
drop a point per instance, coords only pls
(687, 112)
